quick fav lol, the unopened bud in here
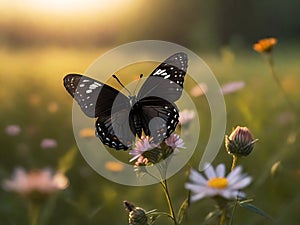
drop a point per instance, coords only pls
(137, 215)
(240, 142)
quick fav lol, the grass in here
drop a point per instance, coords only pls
(31, 79)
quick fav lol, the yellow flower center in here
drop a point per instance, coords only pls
(218, 182)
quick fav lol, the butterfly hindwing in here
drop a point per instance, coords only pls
(159, 118)
(114, 130)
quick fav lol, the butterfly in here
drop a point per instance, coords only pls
(121, 118)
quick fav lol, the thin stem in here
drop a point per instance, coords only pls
(233, 211)
(164, 185)
(234, 162)
(168, 197)
(223, 216)
(271, 65)
(33, 211)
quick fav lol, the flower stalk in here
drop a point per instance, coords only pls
(234, 162)
(33, 212)
(279, 84)
(168, 198)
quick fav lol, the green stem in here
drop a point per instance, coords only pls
(34, 211)
(223, 216)
(233, 211)
(164, 185)
(271, 65)
(168, 197)
(234, 161)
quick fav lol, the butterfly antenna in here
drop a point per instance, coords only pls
(139, 81)
(114, 76)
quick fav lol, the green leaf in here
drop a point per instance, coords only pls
(67, 160)
(211, 216)
(183, 208)
(245, 204)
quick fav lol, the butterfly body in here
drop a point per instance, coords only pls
(121, 118)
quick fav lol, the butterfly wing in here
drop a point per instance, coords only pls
(112, 108)
(166, 81)
(159, 117)
(158, 112)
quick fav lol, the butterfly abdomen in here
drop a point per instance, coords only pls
(135, 120)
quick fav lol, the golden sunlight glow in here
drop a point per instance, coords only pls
(65, 6)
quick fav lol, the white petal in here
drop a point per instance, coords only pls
(211, 192)
(135, 157)
(241, 194)
(229, 194)
(197, 197)
(197, 177)
(220, 170)
(241, 183)
(237, 178)
(210, 172)
(195, 188)
(235, 173)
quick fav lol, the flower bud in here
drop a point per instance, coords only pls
(240, 142)
(137, 215)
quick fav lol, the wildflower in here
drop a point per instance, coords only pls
(142, 145)
(36, 181)
(217, 184)
(13, 130)
(114, 166)
(232, 87)
(139, 165)
(186, 116)
(141, 161)
(48, 143)
(87, 133)
(240, 142)
(199, 90)
(175, 141)
(34, 99)
(265, 45)
(52, 107)
(137, 215)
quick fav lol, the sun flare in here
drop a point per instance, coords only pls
(67, 6)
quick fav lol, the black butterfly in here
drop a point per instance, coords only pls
(121, 118)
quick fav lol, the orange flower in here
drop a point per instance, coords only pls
(265, 45)
(87, 133)
(114, 166)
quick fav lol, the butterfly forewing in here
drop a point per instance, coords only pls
(94, 98)
(109, 105)
(166, 81)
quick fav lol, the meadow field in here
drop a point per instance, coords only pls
(33, 98)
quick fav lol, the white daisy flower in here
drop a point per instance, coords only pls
(141, 146)
(217, 184)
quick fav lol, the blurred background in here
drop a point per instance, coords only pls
(42, 40)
